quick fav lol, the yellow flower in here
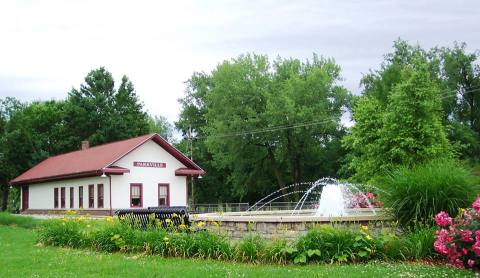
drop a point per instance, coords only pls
(182, 226)
(168, 220)
(364, 228)
(215, 223)
(174, 215)
(369, 237)
(109, 219)
(461, 211)
(201, 224)
(81, 218)
(71, 212)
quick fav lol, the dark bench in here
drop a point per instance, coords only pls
(152, 216)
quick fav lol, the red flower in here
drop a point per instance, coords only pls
(369, 195)
(476, 205)
(466, 235)
(476, 248)
(458, 263)
(443, 219)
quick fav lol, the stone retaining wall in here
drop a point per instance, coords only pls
(269, 228)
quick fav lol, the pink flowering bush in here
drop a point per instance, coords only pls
(459, 239)
(366, 200)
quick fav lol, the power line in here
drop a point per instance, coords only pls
(477, 89)
(305, 124)
(264, 130)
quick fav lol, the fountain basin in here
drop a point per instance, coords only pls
(277, 224)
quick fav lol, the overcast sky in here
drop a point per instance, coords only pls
(47, 47)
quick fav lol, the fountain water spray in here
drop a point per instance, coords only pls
(333, 201)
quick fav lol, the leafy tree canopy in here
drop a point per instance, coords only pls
(294, 108)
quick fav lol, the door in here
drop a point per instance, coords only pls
(24, 198)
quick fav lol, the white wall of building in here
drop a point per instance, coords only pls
(41, 194)
(150, 177)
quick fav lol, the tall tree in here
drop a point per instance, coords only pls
(401, 126)
(213, 187)
(457, 75)
(16, 146)
(251, 94)
(160, 125)
(461, 78)
(100, 113)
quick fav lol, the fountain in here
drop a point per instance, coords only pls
(325, 201)
(332, 202)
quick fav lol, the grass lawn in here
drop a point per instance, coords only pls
(20, 257)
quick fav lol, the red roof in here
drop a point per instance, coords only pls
(94, 161)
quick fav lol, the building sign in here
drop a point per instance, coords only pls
(149, 164)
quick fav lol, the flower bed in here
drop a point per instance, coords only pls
(366, 200)
(322, 243)
(459, 239)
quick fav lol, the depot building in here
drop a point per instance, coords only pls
(141, 172)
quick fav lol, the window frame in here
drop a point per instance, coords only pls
(55, 198)
(141, 194)
(100, 201)
(91, 196)
(167, 201)
(80, 197)
(72, 196)
(62, 197)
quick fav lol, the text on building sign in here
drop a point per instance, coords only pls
(149, 164)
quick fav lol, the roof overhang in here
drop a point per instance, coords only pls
(115, 170)
(93, 173)
(188, 172)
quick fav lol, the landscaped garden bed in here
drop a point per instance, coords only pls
(20, 256)
(322, 243)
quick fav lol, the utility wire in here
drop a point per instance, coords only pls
(264, 130)
(305, 124)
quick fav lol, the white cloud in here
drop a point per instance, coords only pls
(47, 47)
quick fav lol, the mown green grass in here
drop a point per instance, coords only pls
(18, 220)
(21, 257)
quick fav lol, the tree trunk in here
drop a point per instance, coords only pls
(5, 190)
(295, 166)
(276, 170)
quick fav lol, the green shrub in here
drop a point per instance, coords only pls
(419, 243)
(251, 248)
(329, 244)
(391, 247)
(413, 245)
(211, 245)
(115, 237)
(415, 195)
(279, 251)
(18, 220)
(62, 232)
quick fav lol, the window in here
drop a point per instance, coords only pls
(91, 197)
(71, 197)
(55, 197)
(62, 197)
(136, 195)
(100, 195)
(80, 197)
(163, 194)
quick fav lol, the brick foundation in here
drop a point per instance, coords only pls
(97, 212)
